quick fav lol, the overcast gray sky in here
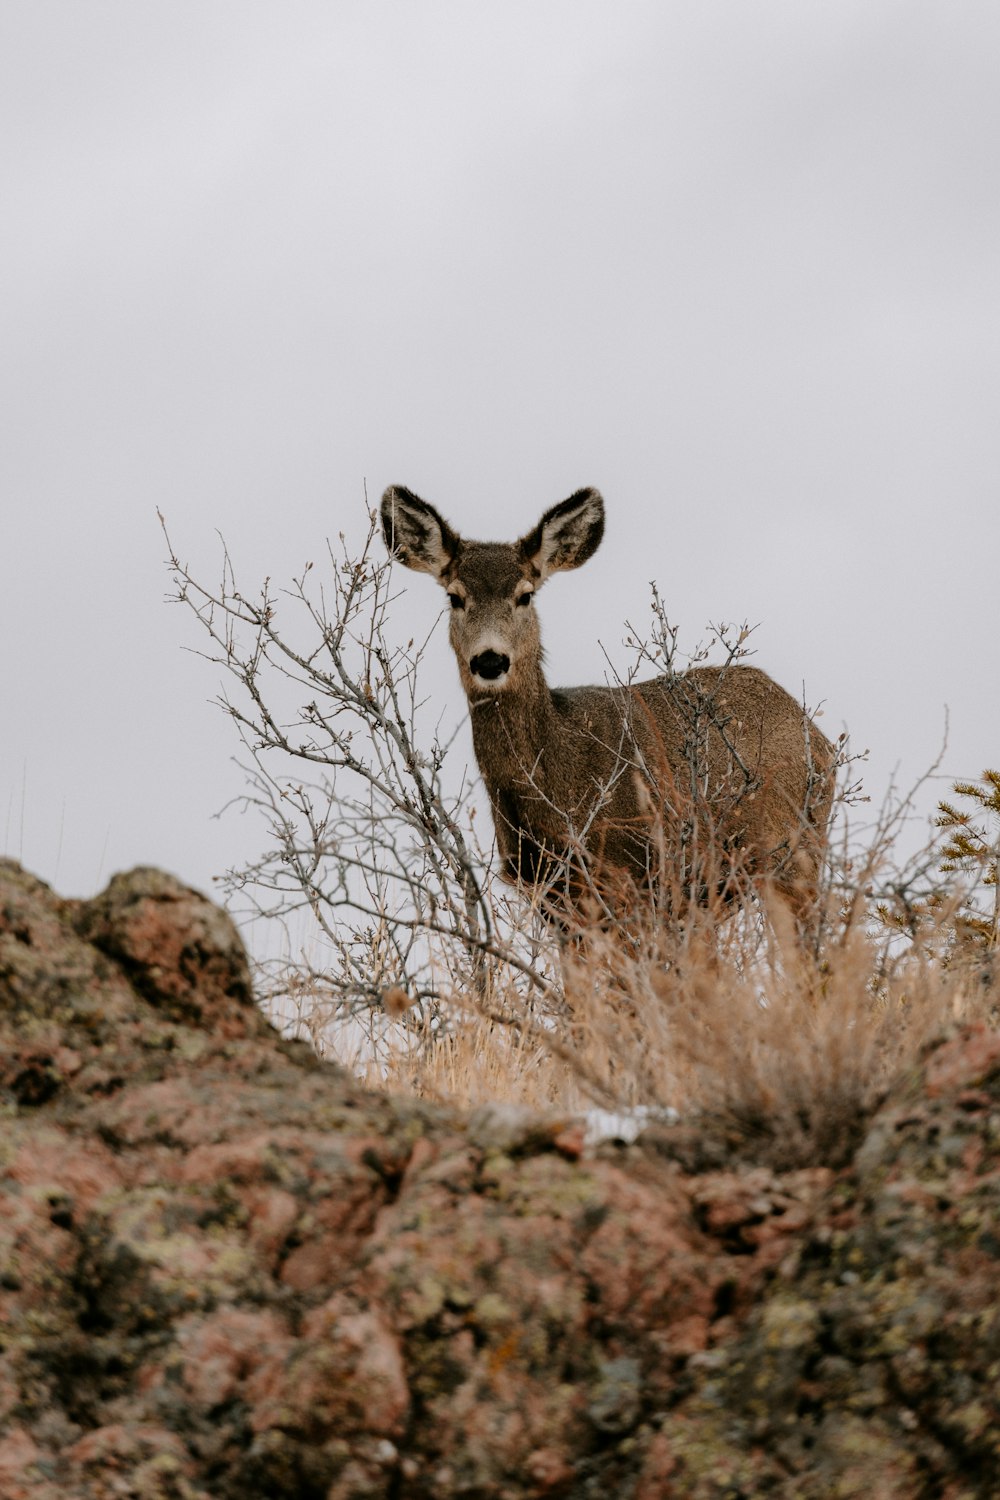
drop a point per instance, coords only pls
(737, 264)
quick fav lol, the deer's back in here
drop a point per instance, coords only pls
(729, 742)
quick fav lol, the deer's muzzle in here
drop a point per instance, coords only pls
(489, 665)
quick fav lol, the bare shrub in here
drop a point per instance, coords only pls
(362, 831)
(424, 974)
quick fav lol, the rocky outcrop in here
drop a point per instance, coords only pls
(226, 1270)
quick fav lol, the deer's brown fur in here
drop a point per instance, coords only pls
(595, 789)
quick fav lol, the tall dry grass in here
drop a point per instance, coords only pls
(774, 1045)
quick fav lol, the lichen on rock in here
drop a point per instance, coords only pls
(226, 1270)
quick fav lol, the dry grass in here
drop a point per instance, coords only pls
(771, 1051)
(768, 1047)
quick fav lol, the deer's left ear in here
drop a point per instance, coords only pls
(566, 535)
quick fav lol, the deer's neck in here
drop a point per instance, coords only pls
(513, 734)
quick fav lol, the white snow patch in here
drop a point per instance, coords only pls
(625, 1124)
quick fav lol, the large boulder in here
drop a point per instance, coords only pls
(226, 1270)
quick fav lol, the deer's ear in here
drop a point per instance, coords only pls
(415, 533)
(566, 535)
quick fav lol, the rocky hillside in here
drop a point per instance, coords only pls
(225, 1270)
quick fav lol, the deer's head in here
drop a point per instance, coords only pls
(491, 586)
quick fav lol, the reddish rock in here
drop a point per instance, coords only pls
(181, 953)
(227, 1271)
(961, 1064)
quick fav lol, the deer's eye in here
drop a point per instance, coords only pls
(456, 601)
(524, 598)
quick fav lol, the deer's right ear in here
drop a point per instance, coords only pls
(415, 533)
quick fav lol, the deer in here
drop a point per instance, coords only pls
(601, 792)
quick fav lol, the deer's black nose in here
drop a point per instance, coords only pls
(489, 664)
